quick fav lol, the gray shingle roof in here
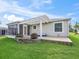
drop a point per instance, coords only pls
(44, 18)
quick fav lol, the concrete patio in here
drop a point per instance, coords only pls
(61, 39)
(64, 40)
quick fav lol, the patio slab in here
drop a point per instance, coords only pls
(64, 40)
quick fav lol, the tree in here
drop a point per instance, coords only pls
(76, 26)
(70, 28)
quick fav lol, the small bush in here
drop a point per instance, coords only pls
(34, 36)
(75, 31)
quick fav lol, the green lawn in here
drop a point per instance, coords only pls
(10, 49)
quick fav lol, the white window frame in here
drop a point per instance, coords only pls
(62, 27)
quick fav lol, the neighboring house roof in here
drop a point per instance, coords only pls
(3, 28)
(44, 18)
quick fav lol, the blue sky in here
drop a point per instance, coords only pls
(18, 10)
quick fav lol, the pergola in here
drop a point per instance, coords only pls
(38, 20)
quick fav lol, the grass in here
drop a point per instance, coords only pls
(10, 49)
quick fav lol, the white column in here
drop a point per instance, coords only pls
(40, 28)
(18, 28)
(23, 29)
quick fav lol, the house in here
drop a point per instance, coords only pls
(42, 25)
(3, 30)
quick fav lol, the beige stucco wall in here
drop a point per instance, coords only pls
(35, 30)
(49, 29)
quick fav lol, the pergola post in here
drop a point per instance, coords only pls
(18, 28)
(23, 30)
(41, 29)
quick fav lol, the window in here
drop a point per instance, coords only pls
(34, 27)
(58, 27)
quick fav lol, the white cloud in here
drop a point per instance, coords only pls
(3, 6)
(13, 18)
(48, 1)
(39, 3)
(70, 14)
(16, 9)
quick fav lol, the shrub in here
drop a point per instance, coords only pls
(75, 31)
(18, 35)
(34, 36)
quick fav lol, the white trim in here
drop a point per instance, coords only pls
(18, 28)
(62, 27)
(24, 29)
(40, 28)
